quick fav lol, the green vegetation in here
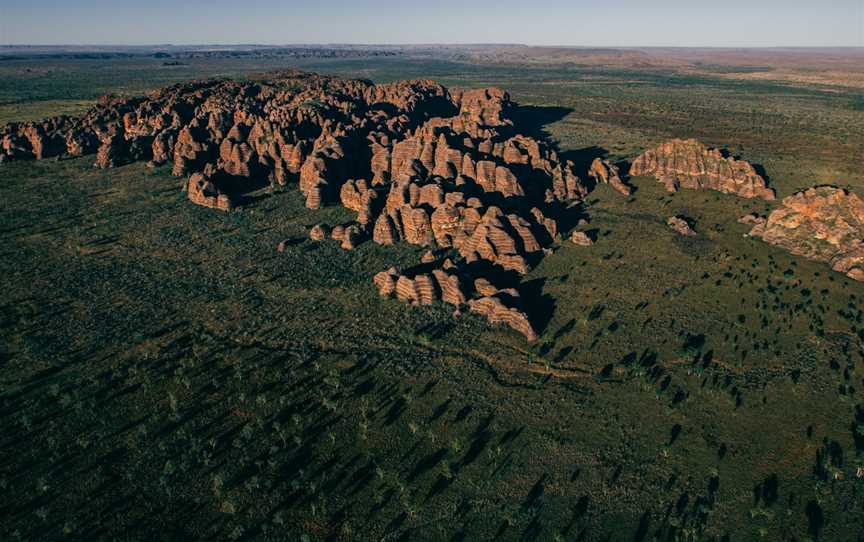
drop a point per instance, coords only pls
(166, 373)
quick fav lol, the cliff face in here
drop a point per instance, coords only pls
(690, 164)
(821, 223)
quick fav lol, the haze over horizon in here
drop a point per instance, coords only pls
(610, 23)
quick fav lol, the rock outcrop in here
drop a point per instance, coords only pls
(39, 140)
(690, 164)
(422, 286)
(681, 226)
(752, 219)
(823, 223)
(581, 239)
(319, 232)
(502, 307)
(605, 172)
(417, 163)
(203, 191)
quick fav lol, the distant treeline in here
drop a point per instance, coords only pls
(288, 52)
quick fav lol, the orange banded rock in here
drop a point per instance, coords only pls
(690, 164)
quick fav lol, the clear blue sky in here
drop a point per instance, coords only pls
(724, 23)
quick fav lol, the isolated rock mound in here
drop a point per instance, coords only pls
(690, 164)
(581, 239)
(681, 226)
(823, 223)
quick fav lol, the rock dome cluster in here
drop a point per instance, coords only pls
(419, 164)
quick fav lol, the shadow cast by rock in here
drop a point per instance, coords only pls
(582, 160)
(538, 306)
(532, 120)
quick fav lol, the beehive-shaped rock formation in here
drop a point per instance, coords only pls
(690, 164)
(823, 223)
(417, 163)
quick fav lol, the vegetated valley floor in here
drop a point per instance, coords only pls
(167, 374)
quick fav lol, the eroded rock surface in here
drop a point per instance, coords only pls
(688, 163)
(823, 223)
(581, 239)
(681, 226)
(605, 172)
(418, 163)
(752, 219)
(202, 191)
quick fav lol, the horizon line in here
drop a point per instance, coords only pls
(441, 44)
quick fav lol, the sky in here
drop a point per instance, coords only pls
(623, 23)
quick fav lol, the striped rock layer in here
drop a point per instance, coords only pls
(690, 164)
(823, 223)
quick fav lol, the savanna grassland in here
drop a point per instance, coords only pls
(165, 373)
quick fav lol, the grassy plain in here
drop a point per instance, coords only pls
(166, 373)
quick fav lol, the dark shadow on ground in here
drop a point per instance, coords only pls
(239, 188)
(531, 120)
(538, 306)
(582, 159)
(760, 170)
